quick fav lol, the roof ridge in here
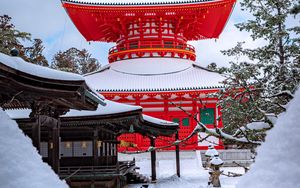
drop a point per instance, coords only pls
(203, 68)
(104, 68)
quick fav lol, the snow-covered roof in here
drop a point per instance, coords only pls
(153, 74)
(136, 2)
(211, 152)
(110, 108)
(19, 64)
(158, 121)
(216, 161)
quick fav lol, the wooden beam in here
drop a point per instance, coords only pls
(153, 160)
(177, 156)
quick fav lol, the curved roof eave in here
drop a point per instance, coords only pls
(136, 2)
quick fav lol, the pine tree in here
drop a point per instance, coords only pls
(34, 54)
(257, 91)
(76, 61)
(10, 37)
(214, 67)
(296, 9)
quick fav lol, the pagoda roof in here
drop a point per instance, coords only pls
(153, 74)
(106, 20)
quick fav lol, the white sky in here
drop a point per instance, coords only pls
(48, 20)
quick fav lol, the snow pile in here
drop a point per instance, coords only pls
(278, 160)
(193, 175)
(258, 126)
(20, 164)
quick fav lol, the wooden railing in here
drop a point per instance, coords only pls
(119, 168)
(150, 44)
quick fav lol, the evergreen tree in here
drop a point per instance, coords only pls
(214, 67)
(76, 61)
(296, 9)
(259, 91)
(10, 37)
(34, 54)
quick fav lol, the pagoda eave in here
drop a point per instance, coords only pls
(196, 21)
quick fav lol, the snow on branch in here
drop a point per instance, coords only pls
(216, 131)
(219, 133)
(282, 93)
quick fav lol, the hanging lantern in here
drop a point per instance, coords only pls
(99, 144)
(83, 144)
(68, 145)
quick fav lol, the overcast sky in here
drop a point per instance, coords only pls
(46, 19)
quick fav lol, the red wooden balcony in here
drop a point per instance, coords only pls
(151, 49)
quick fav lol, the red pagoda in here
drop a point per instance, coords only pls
(152, 65)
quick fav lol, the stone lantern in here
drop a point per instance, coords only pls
(215, 172)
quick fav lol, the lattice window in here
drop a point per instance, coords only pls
(83, 148)
(66, 149)
(44, 149)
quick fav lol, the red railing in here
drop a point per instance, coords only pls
(151, 44)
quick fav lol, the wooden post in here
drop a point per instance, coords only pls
(50, 146)
(153, 160)
(54, 144)
(118, 167)
(95, 147)
(177, 156)
(36, 134)
(56, 147)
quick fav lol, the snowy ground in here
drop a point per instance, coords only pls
(20, 164)
(193, 175)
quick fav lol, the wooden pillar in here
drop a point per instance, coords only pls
(193, 121)
(138, 137)
(177, 156)
(95, 147)
(118, 167)
(153, 160)
(36, 134)
(54, 145)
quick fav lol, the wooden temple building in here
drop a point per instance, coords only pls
(75, 129)
(152, 64)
